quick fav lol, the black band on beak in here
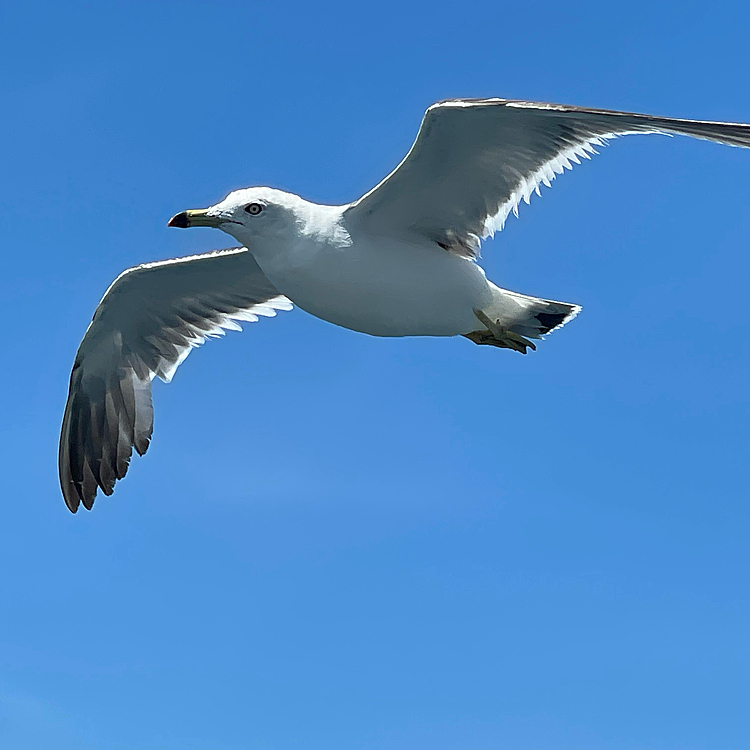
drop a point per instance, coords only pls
(179, 220)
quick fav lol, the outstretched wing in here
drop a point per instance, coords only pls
(145, 326)
(474, 160)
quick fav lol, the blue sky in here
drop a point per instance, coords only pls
(343, 542)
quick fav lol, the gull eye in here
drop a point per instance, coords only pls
(253, 208)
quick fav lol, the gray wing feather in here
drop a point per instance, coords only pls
(149, 320)
(474, 160)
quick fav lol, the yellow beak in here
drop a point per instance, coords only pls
(197, 217)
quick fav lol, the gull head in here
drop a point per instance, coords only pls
(250, 215)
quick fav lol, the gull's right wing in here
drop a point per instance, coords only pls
(145, 326)
(474, 160)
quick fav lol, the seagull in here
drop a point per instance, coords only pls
(400, 261)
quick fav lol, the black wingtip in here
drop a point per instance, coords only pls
(72, 503)
(550, 321)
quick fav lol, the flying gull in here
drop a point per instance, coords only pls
(400, 261)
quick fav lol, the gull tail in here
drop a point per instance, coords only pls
(511, 319)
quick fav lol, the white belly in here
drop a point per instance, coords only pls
(383, 288)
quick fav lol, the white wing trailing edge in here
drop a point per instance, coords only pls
(149, 320)
(475, 160)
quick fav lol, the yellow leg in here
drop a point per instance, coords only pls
(501, 337)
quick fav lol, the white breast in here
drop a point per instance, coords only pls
(379, 286)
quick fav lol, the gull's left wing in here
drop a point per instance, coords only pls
(146, 324)
(474, 160)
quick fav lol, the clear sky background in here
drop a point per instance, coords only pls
(342, 542)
